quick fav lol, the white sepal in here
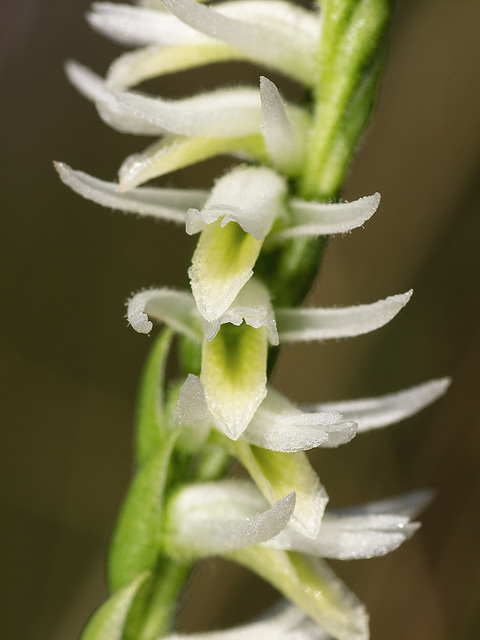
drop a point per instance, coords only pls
(224, 113)
(366, 531)
(287, 622)
(321, 219)
(175, 308)
(109, 109)
(214, 518)
(373, 413)
(163, 204)
(302, 325)
(137, 26)
(278, 425)
(275, 33)
(156, 60)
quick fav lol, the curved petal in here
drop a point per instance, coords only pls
(277, 473)
(367, 531)
(164, 204)
(112, 113)
(153, 61)
(175, 153)
(286, 39)
(214, 518)
(278, 425)
(320, 219)
(175, 308)
(373, 413)
(286, 622)
(137, 26)
(224, 113)
(284, 129)
(301, 325)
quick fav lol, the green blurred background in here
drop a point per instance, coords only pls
(70, 365)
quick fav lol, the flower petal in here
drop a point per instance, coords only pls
(320, 219)
(224, 113)
(301, 325)
(234, 375)
(368, 531)
(311, 585)
(153, 61)
(175, 308)
(373, 413)
(286, 622)
(278, 425)
(274, 33)
(284, 130)
(214, 518)
(175, 153)
(138, 25)
(112, 113)
(166, 204)
(275, 474)
(249, 198)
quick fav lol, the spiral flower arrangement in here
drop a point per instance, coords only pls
(261, 230)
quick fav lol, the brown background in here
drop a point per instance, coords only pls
(69, 363)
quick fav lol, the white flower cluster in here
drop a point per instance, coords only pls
(228, 310)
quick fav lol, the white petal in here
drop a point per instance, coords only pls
(165, 204)
(171, 154)
(217, 517)
(136, 66)
(251, 305)
(192, 404)
(284, 138)
(224, 258)
(372, 413)
(286, 623)
(112, 113)
(366, 531)
(274, 33)
(175, 308)
(279, 426)
(225, 113)
(138, 26)
(320, 219)
(301, 325)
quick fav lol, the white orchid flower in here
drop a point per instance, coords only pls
(234, 358)
(234, 222)
(287, 622)
(242, 119)
(274, 33)
(220, 517)
(298, 217)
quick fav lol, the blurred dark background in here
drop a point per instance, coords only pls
(70, 365)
